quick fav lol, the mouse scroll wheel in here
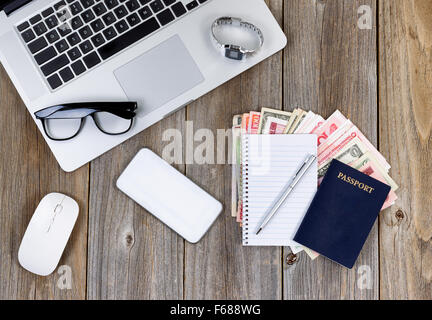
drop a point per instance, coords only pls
(58, 208)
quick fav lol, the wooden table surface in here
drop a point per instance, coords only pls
(380, 78)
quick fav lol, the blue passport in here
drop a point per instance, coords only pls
(342, 214)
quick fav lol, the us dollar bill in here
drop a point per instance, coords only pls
(352, 152)
(267, 113)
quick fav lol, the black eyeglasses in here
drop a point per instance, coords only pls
(64, 122)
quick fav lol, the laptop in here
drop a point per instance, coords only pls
(156, 52)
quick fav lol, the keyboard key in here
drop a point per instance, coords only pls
(73, 39)
(91, 60)
(37, 45)
(121, 26)
(61, 46)
(87, 16)
(78, 67)
(47, 12)
(86, 47)
(111, 3)
(85, 32)
(169, 2)
(97, 25)
(144, 2)
(52, 36)
(66, 74)
(202, 1)
(87, 3)
(133, 19)
(35, 19)
(74, 53)
(45, 55)
(59, 5)
(76, 23)
(145, 13)
(28, 35)
(63, 14)
(165, 17)
(54, 81)
(132, 5)
(128, 38)
(178, 9)
(55, 64)
(98, 40)
(76, 8)
(40, 28)
(156, 6)
(64, 29)
(51, 21)
(108, 18)
(23, 26)
(120, 11)
(192, 5)
(109, 33)
(99, 9)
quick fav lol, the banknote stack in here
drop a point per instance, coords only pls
(338, 138)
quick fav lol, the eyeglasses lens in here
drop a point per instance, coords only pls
(62, 128)
(111, 123)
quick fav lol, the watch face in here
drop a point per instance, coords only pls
(233, 54)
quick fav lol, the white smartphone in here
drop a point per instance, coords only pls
(170, 196)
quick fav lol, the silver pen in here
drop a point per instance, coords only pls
(295, 180)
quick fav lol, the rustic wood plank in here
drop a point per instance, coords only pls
(219, 267)
(30, 172)
(74, 259)
(20, 189)
(331, 64)
(405, 47)
(132, 255)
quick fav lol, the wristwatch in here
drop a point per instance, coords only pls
(233, 51)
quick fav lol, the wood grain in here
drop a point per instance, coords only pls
(120, 251)
(132, 255)
(331, 64)
(30, 172)
(405, 55)
(219, 267)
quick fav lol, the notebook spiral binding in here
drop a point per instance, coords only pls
(245, 189)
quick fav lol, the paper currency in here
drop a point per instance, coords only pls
(316, 123)
(274, 126)
(254, 122)
(309, 117)
(235, 172)
(292, 119)
(351, 152)
(330, 126)
(371, 170)
(267, 113)
(245, 123)
(368, 158)
(302, 114)
(344, 139)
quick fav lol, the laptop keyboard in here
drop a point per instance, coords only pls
(74, 36)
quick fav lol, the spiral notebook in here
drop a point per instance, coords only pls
(269, 163)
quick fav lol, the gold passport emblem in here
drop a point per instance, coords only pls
(355, 182)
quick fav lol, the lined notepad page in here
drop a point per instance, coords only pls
(269, 164)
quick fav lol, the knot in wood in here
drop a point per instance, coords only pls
(291, 259)
(399, 215)
(129, 239)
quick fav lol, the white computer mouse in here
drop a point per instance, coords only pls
(48, 233)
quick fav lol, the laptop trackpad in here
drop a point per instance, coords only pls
(159, 75)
